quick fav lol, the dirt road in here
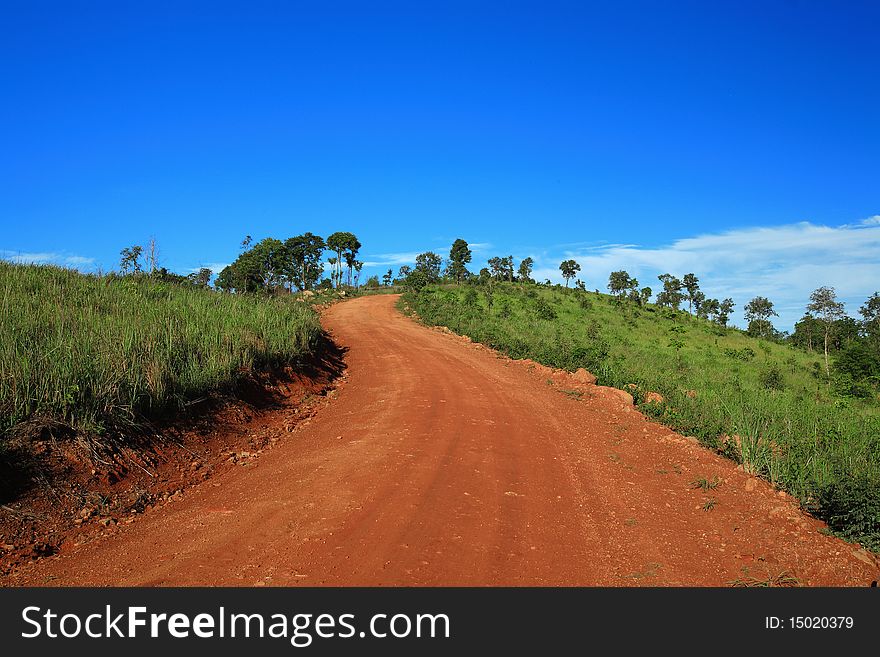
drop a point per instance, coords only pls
(441, 463)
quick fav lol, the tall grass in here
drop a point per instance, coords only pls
(94, 353)
(765, 405)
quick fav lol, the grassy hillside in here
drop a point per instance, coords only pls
(95, 353)
(788, 424)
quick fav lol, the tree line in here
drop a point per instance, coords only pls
(825, 326)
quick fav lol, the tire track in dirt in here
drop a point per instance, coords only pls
(443, 463)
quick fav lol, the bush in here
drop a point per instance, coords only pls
(851, 507)
(745, 354)
(543, 309)
(771, 378)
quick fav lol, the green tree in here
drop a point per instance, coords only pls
(429, 263)
(569, 269)
(346, 247)
(525, 269)
(620, 282)
(201, 278)
(758, 312)
(870, 313)
(386, 278)
(130, 260)
(670, 296)
(692, 284)
(806, 332)
(827, 309)
(508, 268)
(304, 267)
(261, 267)
(645, 295)
(724, 310)
(459, 257)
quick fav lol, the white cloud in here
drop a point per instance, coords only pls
(784, 263)
(215, 267)
(46, 258)
(391, 259)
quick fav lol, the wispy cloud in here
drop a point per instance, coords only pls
(784, 263)
(215, 267)
(47, 258)
(391, 259)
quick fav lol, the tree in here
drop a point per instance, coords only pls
(130, 259)
(508, 267)
(304, 266)
(569, 269)
(372, 282)
(201, 278)
(671, 295)
(386, 278)
(826, 307)
(429, 264)
(152, 255)
(807, 329)
(870, 313)
(620, 282)
(697, 299)
(346, 247)
(724, 310)
(758, 312)
(459, 256)
(692, 284)
(358, 265)
(262, 267)
(525, 269)
(332, 262)
(496, 265)
(710, 309)
(645, 295)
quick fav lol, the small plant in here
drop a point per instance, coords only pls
(745, 354)
(710, 504)
(771, 378)
(780, 579)
(544, 310)
(706, 484)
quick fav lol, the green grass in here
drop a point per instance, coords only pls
(95, 354)
(789, 425)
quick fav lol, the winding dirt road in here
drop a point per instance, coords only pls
(442, 463)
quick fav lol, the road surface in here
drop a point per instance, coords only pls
(441, 463)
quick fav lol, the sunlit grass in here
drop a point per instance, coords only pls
(92, 352)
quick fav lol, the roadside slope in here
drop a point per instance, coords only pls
(441, 463)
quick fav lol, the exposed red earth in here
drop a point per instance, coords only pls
(440, 462)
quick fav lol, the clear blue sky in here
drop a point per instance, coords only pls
(537, 129)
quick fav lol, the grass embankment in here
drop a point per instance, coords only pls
(790, 427)
(96, 354)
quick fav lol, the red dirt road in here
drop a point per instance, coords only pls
(441, 463)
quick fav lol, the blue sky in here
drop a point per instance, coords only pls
(738, 140)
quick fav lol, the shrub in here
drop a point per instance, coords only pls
(771, 378)
(851, 507)
(543, 309)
